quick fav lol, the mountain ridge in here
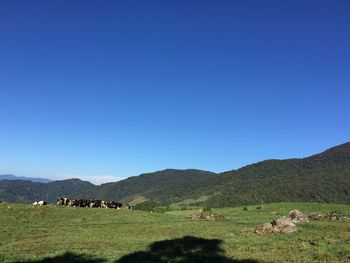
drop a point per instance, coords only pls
(322, 177)
(33, 179)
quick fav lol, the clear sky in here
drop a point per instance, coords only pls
(103, 90)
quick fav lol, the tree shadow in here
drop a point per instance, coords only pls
(68, 257)
(187, 249)
(183, 250)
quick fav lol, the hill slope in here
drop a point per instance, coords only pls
(324, 177)
(143, 187)
(21, 191)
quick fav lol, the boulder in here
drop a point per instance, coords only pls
(279, 224)
(263, 229)
(333, 216)
(198, 215)
(315, 216)
(204, 215)
(290, 228)
(297, 217)
(210, 217)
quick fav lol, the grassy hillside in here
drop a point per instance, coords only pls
(67, 234)
(21, 191)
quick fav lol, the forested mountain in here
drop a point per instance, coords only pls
(21, 191)
(139, 188)
(323, 177)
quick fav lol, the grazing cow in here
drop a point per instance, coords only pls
(65, 201)
(95, 203)
(114, 205)
(85, 203)
(130, 207)
(39, 203)
(104, 204)
(89, 203)
(61, 201)
(82, 203)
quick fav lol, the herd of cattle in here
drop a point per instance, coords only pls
(62, 201)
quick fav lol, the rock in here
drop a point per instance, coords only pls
(283, 225)
(291, 228)
(344, 218)
(279, 224)
(315, 216)
(297, 217)
(204, 215)
(333, 216)
(210, 217)
(263, 229)
(198, 215)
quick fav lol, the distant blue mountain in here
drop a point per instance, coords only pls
(13, 177)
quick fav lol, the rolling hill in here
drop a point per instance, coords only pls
(142, 187)
(323, 177)
(21, 191)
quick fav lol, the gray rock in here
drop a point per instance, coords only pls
(297, 217)
(315, 216)
(291, 228)
(279, 223)
(263, 229)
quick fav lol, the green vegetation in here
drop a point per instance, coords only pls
(106, 235)
(323, 177)
(21, 191)
(150, 185)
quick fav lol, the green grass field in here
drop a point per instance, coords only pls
(67, 234)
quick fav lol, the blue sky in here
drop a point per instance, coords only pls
(103, 90)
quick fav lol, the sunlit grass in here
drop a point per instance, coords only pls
(28, 233)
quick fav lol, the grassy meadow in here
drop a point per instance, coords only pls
(67, 234)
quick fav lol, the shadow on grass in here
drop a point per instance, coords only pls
(187, 249)
(183, 250)
(68, 257)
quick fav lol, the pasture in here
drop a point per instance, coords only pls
(68, 234)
